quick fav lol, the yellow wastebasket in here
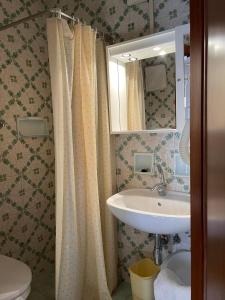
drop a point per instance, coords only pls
(142, 274)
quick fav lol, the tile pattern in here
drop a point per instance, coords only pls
(162, 146)
(115, 17)
(160, 104)
(122, 23)
(125, 22)
(171, 13)
(134, 244)
(27, 222)
(26, 176)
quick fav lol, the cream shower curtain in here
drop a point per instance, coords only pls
(135, 97)
(106, 169)
(80, 264)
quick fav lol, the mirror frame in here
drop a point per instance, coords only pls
(180, 32)
(174, 35)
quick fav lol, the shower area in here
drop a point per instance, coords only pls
(53, 186)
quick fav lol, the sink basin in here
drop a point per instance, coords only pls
(147, 211)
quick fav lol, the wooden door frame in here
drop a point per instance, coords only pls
(198, 148)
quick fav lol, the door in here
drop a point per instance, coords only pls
(208, 149)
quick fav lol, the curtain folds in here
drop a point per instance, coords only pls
(61, 60)
(83, 180)
(135, 97)
(105, 171)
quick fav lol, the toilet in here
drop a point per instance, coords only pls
(15, 279)
(174, 279)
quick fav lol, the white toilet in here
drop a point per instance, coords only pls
(15, 279)
(174, 279)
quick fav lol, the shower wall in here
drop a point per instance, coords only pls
(27, 221)
(123, 23)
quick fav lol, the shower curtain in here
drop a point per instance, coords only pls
(135, 96)
(105, 169)
(81, 258)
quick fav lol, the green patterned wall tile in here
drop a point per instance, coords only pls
(122, 23)
(28, 180)
(27, 165)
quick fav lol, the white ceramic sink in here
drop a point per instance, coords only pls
(147, 211)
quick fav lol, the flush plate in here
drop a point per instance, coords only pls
(32, 127)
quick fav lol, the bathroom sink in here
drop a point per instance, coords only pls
(147, 211)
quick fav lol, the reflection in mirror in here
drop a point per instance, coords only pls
(151, 93)
(135, 96)
(160, 92)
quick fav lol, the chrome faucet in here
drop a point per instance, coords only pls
(160, 187)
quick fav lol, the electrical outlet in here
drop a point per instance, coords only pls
(135, 2)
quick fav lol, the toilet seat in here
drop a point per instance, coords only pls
(15, 279)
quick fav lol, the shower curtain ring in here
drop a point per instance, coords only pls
(57, 12)
(74, 20)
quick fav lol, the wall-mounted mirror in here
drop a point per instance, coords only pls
(146, 82)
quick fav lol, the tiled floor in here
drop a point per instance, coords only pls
(123, 292)
(42, 287)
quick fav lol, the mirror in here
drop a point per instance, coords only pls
(146, 83)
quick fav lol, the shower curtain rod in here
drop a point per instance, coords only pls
(56, 11)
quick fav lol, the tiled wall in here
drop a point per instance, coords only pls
(27, 223)
(134, 244)
(27, 168)
(123, 23)
(160, 104)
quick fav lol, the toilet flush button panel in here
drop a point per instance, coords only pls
(135, 2)
(32, 127)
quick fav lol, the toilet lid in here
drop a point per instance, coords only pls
(15, 277)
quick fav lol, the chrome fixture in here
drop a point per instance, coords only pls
(160, 241)
(160, 187)
(157, 253)
(56, 11)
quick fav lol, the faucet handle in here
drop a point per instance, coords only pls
(162, 175)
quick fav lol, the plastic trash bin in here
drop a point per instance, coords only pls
(142, 274)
